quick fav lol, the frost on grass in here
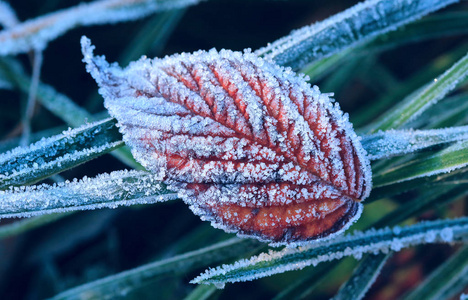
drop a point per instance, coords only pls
(106, 190)
(389, 143)
(48, 156)
(357, 244)
(349, 28)
(36, 33)
(250, 146)
(7, 15)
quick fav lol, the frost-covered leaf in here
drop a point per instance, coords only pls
(122, 283)
(251, 146)
(8, 16)
(106, 190)
(416, 103)
(26, 165)
(398, 142)
(37, 33)
(371, 241)
(349, 28)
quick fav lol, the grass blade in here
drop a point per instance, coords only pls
(106, 190)
(26, 165)
(452, 273)
(415, 104)
(371, 241)
(352, 27)
(363, 277)
(399, 142)
(424, 165)
(37, 33)
(440, 25)
(121, 283)
(203, 292)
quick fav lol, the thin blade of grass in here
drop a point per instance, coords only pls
(106, 190)
(37, 33)
(59, 104)
(446, 281)
(414, 105)
(432, 27)
(122, 283)
(447, 160)
(363, 277)
(349, 28)
(26, 165)
(389, 143)
(371, 241)
(203, 292)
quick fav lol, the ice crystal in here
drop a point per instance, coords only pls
(250, 146)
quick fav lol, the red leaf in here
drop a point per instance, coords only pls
(251, 146)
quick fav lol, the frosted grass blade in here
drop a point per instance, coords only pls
(57, 103)
(121, 283)
(427, 73)
(106, 190)
(444, 161)
(26, 165)
(362, 278)
(389, 143)
(371, 241)
(414, 105)
(446, 281)
(37, 33)
(349, 28)
(451, 111)
(440, 25)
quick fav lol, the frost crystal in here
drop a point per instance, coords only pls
(249, 145)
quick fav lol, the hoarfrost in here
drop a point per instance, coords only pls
(50, 155)
(106, 190)
(389, 143)
(36, 33)
(349, 28)
(371, 241)
(250, 146)
(8, 16)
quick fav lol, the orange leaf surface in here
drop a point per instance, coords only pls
(249, 145)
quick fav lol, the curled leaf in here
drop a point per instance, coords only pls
(249, 145)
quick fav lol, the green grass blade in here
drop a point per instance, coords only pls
(427, 73)
(113, 286)
(399, 142)
(203, 292)
(38, 32)
(57, 103)
(440, 25)
(26, 165)
(106, 190)
(363, 277)
(371, 241)
(451, 111)
(415, 104)
(155, 32)
(441, 283)
(349, 28)
(424, 165)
